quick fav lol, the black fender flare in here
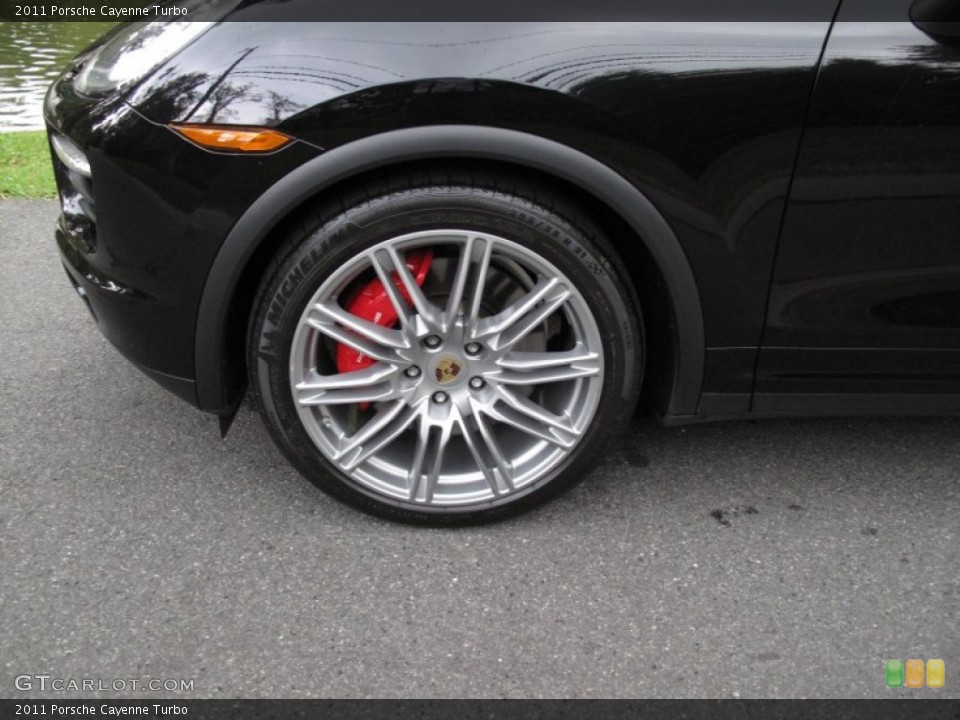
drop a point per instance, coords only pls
(446, 141)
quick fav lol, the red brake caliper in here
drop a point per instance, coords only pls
(372, 303)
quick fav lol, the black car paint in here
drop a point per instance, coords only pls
(865, 298)
(703, 122)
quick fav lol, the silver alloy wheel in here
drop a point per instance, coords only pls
(488, 381)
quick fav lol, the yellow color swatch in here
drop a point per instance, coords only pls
(914, 678)
(935, 673)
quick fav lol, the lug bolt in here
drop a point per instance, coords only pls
(432, 341)
(472, 348)
(412, 372)
(476, 383)
(439, 397)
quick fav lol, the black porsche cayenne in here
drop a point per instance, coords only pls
(443, 256)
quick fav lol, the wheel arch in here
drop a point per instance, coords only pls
(219, 381)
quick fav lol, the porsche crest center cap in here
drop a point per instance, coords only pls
(448, 370)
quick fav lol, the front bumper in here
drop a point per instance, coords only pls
(116, 242)
(139, 233)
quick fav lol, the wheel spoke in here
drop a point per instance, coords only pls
(532, 420)
(518, 360)
(366, 329)
(349, 338)
(436, 462)
(459, 281)
(520, 329)
(479, 282)
(419, 454)
(482, 446)
(474, 260)
(427, 310)
(371, 384)
(371, 440)
(371, 429)
(390, 287)
(509, 326)
(535, 412)
(504, 465)
(506, 317)
(534, 368)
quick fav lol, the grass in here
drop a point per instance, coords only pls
(25, 170)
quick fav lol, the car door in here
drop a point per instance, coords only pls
(864, 308)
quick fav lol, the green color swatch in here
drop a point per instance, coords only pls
(894, 673)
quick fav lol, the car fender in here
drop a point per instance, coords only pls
(214, 389)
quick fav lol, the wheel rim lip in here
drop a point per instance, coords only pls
(537, 461)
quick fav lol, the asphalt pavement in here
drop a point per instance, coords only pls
(783, 558)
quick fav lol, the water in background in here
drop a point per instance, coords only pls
(32, 55)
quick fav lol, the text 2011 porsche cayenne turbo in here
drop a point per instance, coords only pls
(443, 256)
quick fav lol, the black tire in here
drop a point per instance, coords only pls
(540, 220)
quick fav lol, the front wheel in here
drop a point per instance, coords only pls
(445, 353)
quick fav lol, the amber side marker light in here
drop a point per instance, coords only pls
(231, 139)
